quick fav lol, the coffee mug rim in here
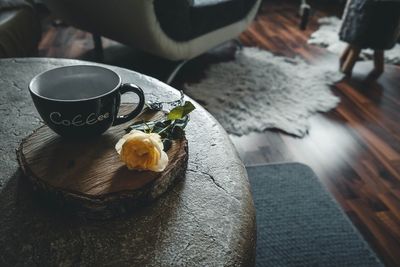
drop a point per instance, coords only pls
(75, 100)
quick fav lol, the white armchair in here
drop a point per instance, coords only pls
(172, 29)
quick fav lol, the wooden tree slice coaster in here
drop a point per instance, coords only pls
(88, 177)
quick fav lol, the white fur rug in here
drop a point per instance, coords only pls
(328, 36)
(259, 91)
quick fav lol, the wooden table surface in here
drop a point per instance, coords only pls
(207, 219)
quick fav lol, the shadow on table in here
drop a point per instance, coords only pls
(33, 231)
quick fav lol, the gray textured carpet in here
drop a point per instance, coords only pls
(299, 223)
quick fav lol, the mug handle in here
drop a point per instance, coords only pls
(130, 87)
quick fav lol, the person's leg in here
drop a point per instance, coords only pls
(350, 60)
(344, 56)
(379, 65)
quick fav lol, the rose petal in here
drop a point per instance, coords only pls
(152, 139)
(119, 145)
(162, 163)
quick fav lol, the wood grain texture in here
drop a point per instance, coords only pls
(89, 172)
(353, 149)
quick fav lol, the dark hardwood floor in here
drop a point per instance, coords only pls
(354, 149)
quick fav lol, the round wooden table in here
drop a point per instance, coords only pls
(207, 219)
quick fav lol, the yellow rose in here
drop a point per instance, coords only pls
(142, 151)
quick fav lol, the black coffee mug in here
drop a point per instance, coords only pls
(82, 100)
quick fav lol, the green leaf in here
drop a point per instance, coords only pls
(154, 106)
(177, 133)
(170, 127)
(182, 122)
(181, 111)
(167, 144)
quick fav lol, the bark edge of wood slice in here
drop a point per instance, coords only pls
(87, 178)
